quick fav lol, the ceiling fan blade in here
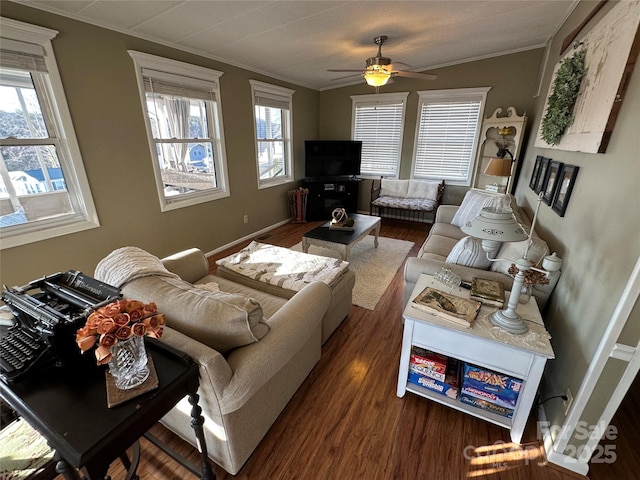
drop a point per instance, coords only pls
(353, 75)
(423, 76)
(343, 70)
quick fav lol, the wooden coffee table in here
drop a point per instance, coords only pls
(342, 240)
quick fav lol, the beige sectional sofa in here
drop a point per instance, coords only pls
(254, 346)
(447, 246)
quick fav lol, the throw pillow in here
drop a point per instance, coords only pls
(422, 189)
(514, 250)
(394, 188)
(476, 200)
(468, 252)
(221, 320)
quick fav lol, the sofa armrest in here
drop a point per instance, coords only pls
(214, 369)
(291, 328)
(445, 213)
(190, 265)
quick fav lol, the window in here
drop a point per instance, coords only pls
(272, 119)
(378, 121)
(44, 191)
(181, 103)
(447, 134)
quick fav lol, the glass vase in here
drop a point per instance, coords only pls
(128, 365)
(525, 294)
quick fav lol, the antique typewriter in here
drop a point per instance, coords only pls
(48, 312)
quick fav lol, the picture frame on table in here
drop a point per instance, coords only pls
(535, 175)
(566, 181)
(542, 172)
(551, 181)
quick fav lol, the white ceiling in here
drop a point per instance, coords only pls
(298, 41)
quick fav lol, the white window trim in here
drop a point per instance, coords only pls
(387, 98)
(173, 67)
(87, 217)
(458, 94)
(280, 93)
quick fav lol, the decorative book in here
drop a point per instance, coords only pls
(451, 307)
(489, 292)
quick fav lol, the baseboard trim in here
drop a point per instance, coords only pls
(247, 237)
(561, 461)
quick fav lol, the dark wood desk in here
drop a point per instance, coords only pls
(68, 406)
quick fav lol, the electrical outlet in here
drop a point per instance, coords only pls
(567, 403)
(245, 219)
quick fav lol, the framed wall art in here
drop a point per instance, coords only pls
(566, 180)
(551, 181)
(536, 173)
(542, 173)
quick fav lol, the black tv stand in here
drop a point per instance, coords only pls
(328, 193)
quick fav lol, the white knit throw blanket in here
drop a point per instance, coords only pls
(128, 263)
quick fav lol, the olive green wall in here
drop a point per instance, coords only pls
(512, 78)
(102, 93)
(598, 238)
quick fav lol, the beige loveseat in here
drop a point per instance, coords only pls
(447, 246)
(254, 348)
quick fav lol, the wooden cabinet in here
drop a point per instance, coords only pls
(326, 194)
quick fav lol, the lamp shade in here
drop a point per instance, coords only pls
(498, 167)
(377, 76)
(495, 224)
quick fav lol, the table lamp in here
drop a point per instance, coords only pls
(494, 226)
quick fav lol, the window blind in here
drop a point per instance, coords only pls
(22, 56)
(177, 85)
(379, 126)
(446, 139)
(274, 101)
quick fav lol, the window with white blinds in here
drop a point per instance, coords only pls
(44, 192)
(181, 103)
(378, 121)
(447, 134)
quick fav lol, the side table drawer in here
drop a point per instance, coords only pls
(453, 343)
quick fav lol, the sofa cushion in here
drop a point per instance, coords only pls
(419, 204)
(514, 250)
(468, 252)
(394, 188)
(476, 200)
(220, 320)
(423, 189)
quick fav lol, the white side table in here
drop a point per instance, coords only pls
(485, 345)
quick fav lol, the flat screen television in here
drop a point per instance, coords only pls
(332, 158)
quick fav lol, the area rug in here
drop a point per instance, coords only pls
(374, 267)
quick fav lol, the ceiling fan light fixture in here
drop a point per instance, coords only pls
(377, 76)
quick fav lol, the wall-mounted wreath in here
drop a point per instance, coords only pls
(559, 114)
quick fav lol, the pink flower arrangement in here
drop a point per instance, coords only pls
(118, 321)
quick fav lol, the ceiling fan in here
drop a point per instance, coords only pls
(379, 69)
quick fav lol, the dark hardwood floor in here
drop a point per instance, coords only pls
(346, 422)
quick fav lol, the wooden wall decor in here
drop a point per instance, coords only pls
(612, 47)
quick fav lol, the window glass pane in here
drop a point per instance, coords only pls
(268, 122)
(177, 117)
(20, 113)
(186, 166)
(271, 159)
